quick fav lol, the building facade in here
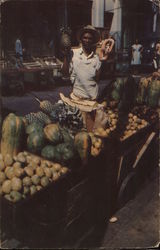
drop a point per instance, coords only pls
(130, 19)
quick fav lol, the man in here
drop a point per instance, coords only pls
(83, 64)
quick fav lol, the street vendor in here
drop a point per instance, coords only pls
(83, 64)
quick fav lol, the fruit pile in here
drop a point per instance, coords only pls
(25, 174)
(110, 125)
(97, 145)
(133, 124)
(67, 116)
(146, 113)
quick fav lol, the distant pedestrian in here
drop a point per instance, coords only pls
(137, 49)
(157, 55)
(19, 51)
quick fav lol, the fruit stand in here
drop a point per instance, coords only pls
(26, 75)
(72, 165)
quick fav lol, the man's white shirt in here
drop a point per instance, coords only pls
(83, 74)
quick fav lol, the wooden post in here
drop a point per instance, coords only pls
(143, 149)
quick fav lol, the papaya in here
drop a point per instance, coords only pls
(34, 127)
(12, 135)
(66, 136)
(35, 142)
(66, 151)
(53, 133)
(83, 143)
(48, 152)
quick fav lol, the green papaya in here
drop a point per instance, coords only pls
(35, 142)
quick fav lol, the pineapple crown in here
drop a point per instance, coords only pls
(66, 30)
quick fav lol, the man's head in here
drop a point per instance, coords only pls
(87, 40)
(88, 36)
(137, 41)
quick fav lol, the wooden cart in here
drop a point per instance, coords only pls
(86, 197)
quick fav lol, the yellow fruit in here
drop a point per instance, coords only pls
(40, 171)
(36, 160)
(15, 196)
(48, 163)
(130, 115)
(8, 160)
(26, 190)
(21, 158)
(39, 188)
(16, 184)
(44, 181)
(33, 165)
(110, 112)
(55, 176)
(114, 122)
(56, 166)
(108, 131)
(97, 145)
(28, 158)
(17, 165)
(100, 130)
(112, 116)
(64, 170)
(18, 172)
(2, 177)
(130, 120)
(6, 186)
(2, 165)
(27, 181)
(48, 172)
(10, 173)
(33, 189)
(35, 179)
(29, 170)
(96, 152)
(1, 156)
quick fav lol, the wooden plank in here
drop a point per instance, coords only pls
(143, 149)
(119, 169)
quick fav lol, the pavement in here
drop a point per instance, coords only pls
(137, 224)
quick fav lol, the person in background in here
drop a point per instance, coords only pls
(137, 49)
(83, 64)
(157, 54)
(51, 47)
(19, 51)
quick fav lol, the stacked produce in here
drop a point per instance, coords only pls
(67, 116)
(149, 91)
(133, 124)
(25, 174)
(110, 125)
(146, 113)
(97, 145)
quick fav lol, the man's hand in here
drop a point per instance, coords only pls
(106, 49)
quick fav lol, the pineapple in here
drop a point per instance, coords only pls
(46, 106)
(43, 118)
(65, 39)
(31, 117)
